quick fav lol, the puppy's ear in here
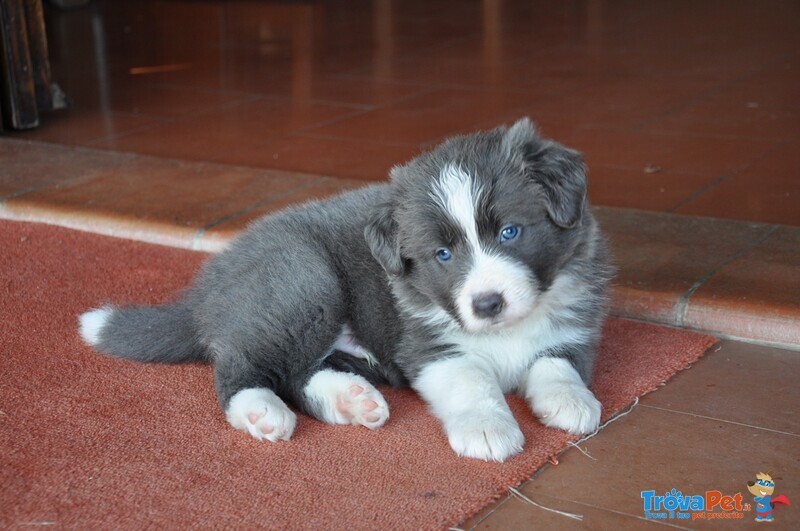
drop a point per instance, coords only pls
(520, 134)
(562, 174)
(558, 170)
(382, 239)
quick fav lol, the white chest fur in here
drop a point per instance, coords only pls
(509, 353)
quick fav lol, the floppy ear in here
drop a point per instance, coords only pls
(382, 239)
(558, 170)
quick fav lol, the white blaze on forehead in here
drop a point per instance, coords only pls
(457, 193)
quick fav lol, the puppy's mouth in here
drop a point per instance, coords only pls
(484, 326)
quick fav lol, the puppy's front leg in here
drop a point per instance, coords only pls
(469, 402)
(559, 397)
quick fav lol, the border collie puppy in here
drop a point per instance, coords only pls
(476, 271)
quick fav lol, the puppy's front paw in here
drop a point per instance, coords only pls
(491, 438)
(567, 406)
(262, 414)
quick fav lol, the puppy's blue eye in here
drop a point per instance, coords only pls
(443, 255)
(509, 232)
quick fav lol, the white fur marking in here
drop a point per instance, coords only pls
(558, 396)
(458, 195)
(346, 398)
(92, 323)
(258, 410)
(470, 404)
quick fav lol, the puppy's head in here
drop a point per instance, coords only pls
(477, 229)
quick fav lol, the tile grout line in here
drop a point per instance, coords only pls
(350, 140)
(638, 169)
(712, 92)
(593, 126)
(362, 112)
(264, 202)
(94, 143)
(683, 303)
(622, 513)
(55, 185)
(20, 193)
(718, 335)
(197, 241)
(716, 419)
(199, 89)
(486, 516)
(722, 136)
(244, 97)
(166, 121)
(724, 177)
(301, 131)
(70, 147)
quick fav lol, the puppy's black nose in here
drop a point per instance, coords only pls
(487, 305)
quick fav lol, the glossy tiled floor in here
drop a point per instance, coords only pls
(686, 107)
(190, 119)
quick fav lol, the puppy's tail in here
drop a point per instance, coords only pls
(163, 334)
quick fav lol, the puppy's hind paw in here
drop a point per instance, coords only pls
(345, 398)
(363, 405)
(263, 415)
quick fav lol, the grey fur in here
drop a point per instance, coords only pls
(266, 311)
(165, 334)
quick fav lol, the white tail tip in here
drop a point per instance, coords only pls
(92, 323)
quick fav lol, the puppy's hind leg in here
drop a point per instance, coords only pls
(249, 403)
(274, 342)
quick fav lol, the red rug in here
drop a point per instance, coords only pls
(91, 442)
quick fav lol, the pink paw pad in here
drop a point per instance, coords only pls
(266, 429)
(262, 414)
(363, 406)
(254, 417)
(355, 390)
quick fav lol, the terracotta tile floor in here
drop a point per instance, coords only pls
(190, 119)
(712, 427)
